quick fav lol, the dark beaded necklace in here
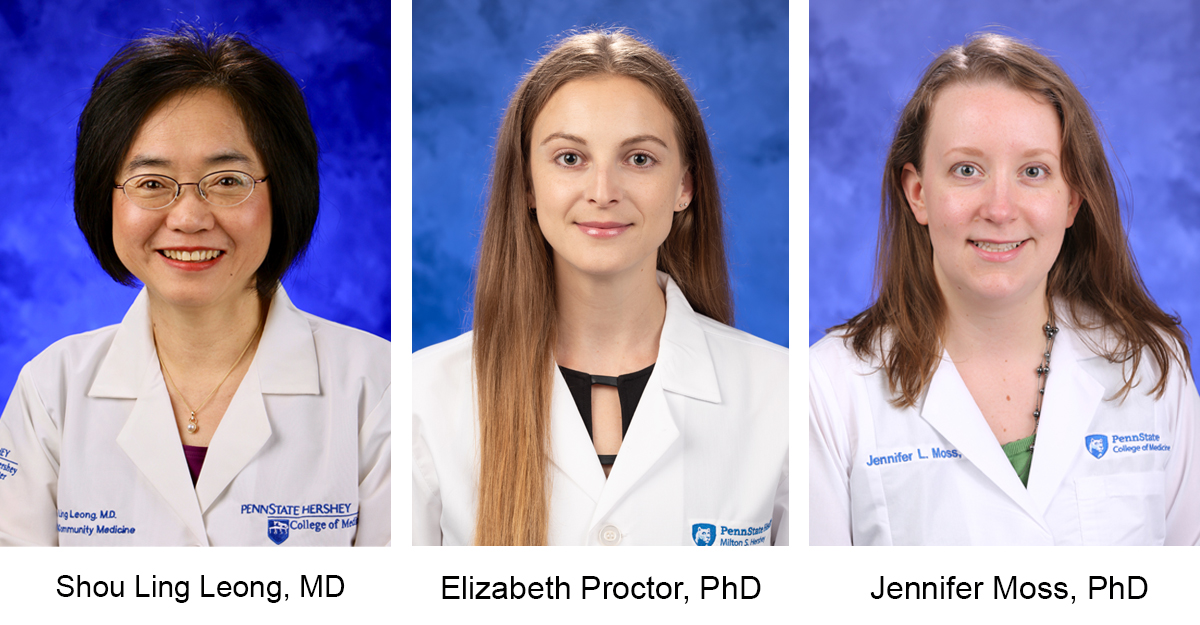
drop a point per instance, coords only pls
(1043, 372)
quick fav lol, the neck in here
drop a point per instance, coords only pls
(198, 341)
(996, 329)
(608, 325)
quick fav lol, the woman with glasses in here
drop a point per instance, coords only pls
(215, 413)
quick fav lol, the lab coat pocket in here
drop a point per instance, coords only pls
(1122, 509)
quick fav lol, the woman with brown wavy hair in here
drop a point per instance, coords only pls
(601, 398)
(1006, 296)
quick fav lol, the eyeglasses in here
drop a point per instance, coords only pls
(220, 188)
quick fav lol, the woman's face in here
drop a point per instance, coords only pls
(187, 137)
(608, 175)
(992, 192)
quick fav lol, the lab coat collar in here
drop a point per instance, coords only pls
(286, 352)
(1071, 399)
(684, 366)
(284, 363)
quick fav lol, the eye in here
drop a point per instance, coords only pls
(150, 183)
(230, 181)
(569, 159)
(965, 170)
(641, 159)
(1035, 171)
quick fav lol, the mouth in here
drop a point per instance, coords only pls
(990, 246)
(191, 256)
(602, 229)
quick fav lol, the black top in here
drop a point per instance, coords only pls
(629, 389)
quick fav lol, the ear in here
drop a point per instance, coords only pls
(686, 190)
(530, 201)
(1076, 201)
(914, 192)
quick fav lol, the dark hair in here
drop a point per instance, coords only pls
(1094, 274)
(145, 73)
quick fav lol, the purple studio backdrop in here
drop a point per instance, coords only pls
(51, 286)
(1134, 62)
(468, 57)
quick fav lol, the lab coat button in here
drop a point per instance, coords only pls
(610, 535)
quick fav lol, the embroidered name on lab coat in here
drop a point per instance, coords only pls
(917, 455)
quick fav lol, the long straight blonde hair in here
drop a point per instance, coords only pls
(1094, 275)
(515, 322)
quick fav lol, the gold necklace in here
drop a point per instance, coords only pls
(193, 426)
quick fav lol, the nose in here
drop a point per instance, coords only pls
(190, 212)
(998, 204)
(603, 188)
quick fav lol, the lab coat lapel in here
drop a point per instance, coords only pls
(284, 363)
(684, 367)
(1071, 400)
(573, 452)
(951, 410)
(149, 437)
(243, 431)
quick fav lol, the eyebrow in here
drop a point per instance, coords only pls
(221, 158)
(580, 140)
(969, 151)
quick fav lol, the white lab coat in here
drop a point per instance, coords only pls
(93, 455)
(940, 477)
(708, 445)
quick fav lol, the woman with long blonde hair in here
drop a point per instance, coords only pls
(601, 397)
(1013, 382)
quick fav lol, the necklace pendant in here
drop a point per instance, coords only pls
(192, 426)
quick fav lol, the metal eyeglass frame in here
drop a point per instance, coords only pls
(180, 185)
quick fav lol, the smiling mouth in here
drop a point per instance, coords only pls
(197, 256)
(997, 247)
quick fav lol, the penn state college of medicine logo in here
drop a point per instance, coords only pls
(277, 530)
(704, 534)
(1097, 444)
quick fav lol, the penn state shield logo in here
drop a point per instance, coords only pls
(704, 534)
(1097, 444)
(277, 530)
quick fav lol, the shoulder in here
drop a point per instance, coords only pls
(71, 357)
(346, 351)
(744, 344)
(443, 370)
(440, 359)
(352, 341)
(834, 353)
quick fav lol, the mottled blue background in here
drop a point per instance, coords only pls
(51, 286)
(468, 57)
(1136, 63)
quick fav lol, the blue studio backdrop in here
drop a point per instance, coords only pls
(51, 286)
(469, 55)
(1134, 62)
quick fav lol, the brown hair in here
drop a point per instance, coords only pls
(515, 313)
(1094, 273)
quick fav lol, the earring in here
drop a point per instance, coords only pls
(683, 205)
